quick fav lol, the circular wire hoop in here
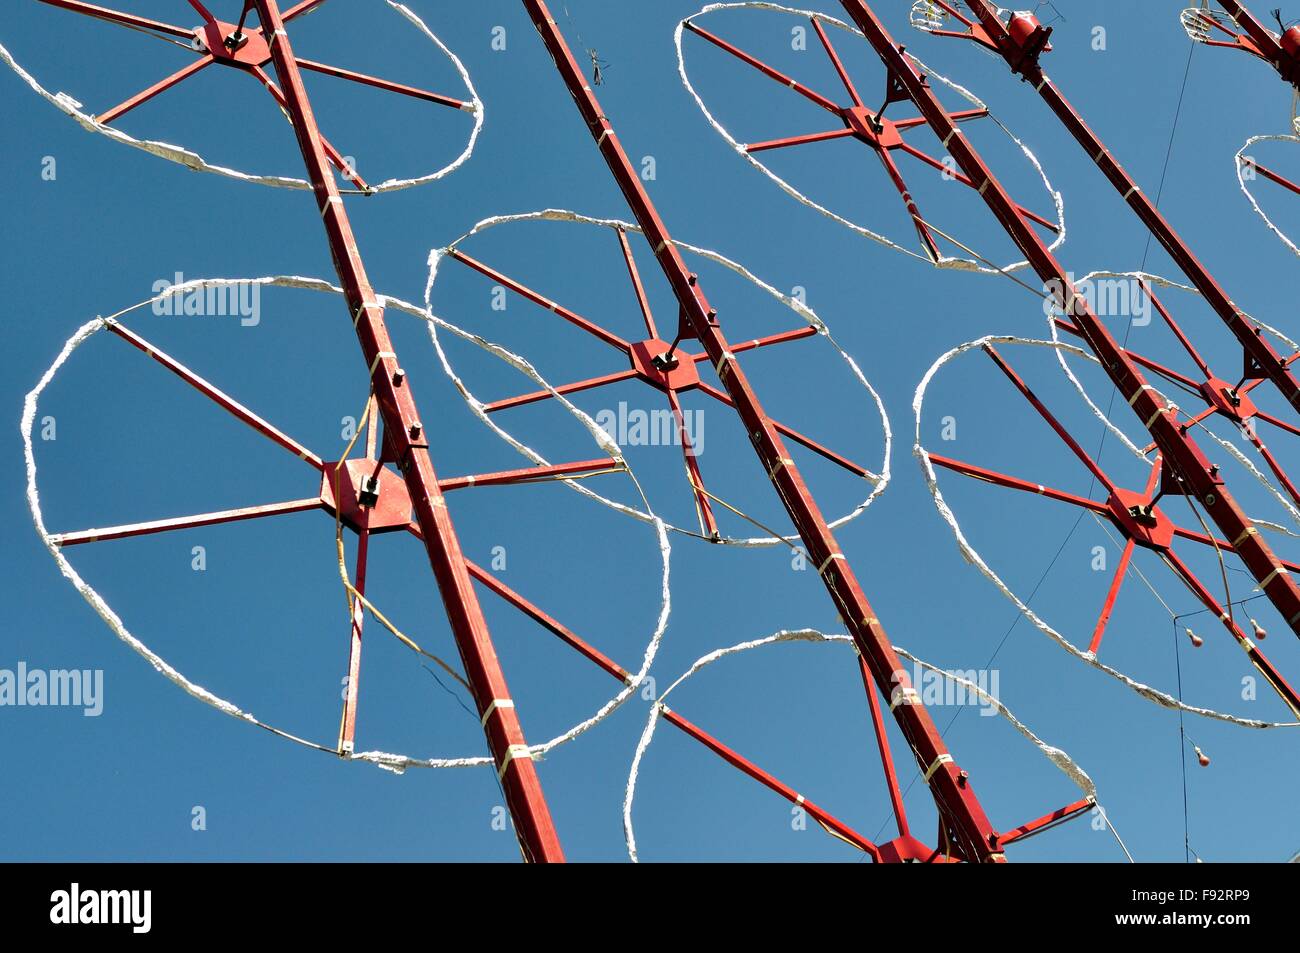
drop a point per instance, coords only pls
(659, 710)
(814, 326)
(857, 121)
(386, 760)
(71, 107)
(928, 461)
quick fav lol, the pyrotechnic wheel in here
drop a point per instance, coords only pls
(664, 366)
(366, 495)
(246, 50)
(1139, 516)
(883, 135)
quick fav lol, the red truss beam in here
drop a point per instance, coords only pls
(1020, 42)
(970, 831)
(408, 445)
(1178, 450)
(1138, 519)
(869, 126)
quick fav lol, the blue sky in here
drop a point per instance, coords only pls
(265, 624)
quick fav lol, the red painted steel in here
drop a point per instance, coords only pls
(406, 438)
(972, 834)
(1179, 451)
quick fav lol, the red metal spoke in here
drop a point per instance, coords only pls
(122, 19)
(1118, 580)
(348, 726)
(781, 338)
(160, 87)
(621, 674)
(307, 6)
(1111, 593)
(335, 157)
(1178, 332)
(954, 12)
(797, 437)
(642, 301)
(762, 777)
(763, 68)
(537, 395)
(219, 397)
(408, 445)
(882, 742)
(609, 337)
(1015, 483)
(798, 140)
(383, 84)
(1137, 358)
(1282, 424)
(1257, 658)
(1270, 174)
(835, 61)
(960, 115)
(1046, 414)
(1216, 543)
(708, 523)
(964, 180)
(524, 475)
(1047, 821)
(922, 229)
(130, 530)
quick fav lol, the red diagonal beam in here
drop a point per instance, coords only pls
(705, 509)
(1015, 483)
(835, 61)
(527, 474)
(1178, 450)
(1059, 816)
(785, 143)
(161, 86)
(217, 396)
(896, 177)
(1266, 45)
(534, 396)
(537, 298)
(953, 793)
(1257, 658)
(642, 301)
(348, 726)
(124, 19)
(130, 530)
(768, 71)
(960, 116)
(385, 84)
(407, 442)
(1270, 174)
(307, 6)
(1113, 592)
(936, 164)
(796, 436)
(1248, 335)
(621, 674)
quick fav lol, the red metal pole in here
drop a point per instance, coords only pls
(1257, 348)
(1178, 450)
(406, 439)
(958, 806)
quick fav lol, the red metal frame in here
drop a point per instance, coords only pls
(881, 134)
(962, 818)
(1138, 519)
(1282, 53)
(1020, 42)
(246, 50)
(1181, 454)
